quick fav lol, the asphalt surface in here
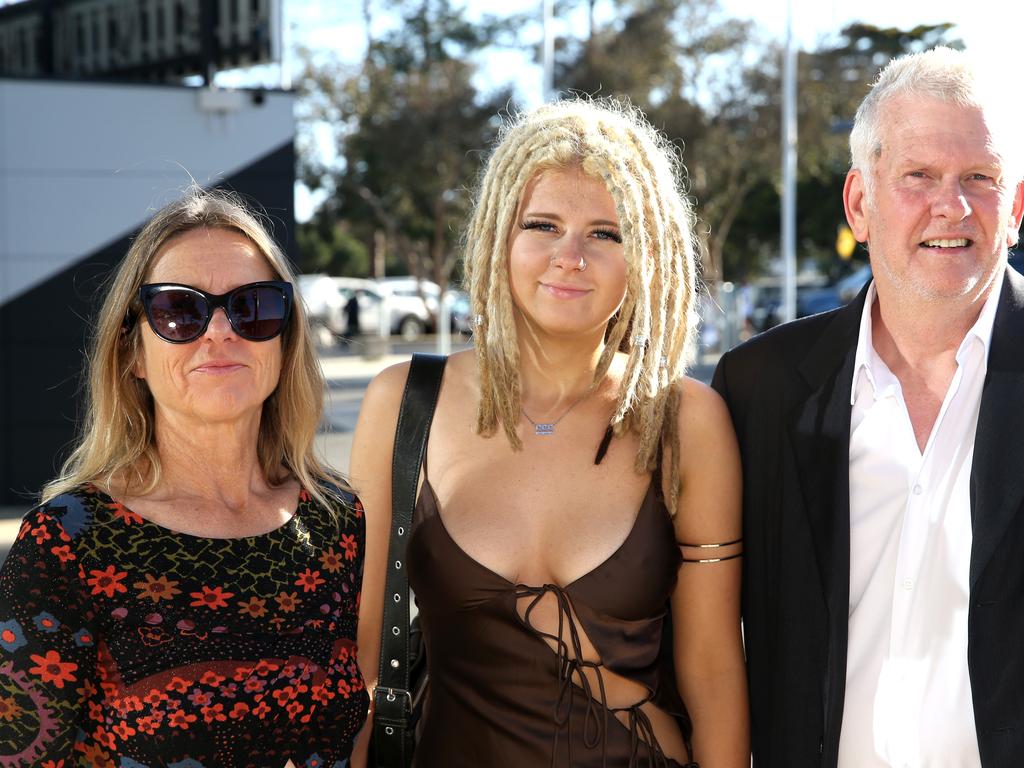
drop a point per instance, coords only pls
(348, 372)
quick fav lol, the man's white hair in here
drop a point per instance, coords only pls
(941, 73)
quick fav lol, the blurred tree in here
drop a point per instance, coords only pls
(833, 81)
(408, 126)
(327, 245)
(714, 86)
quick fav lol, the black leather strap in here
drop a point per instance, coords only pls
(392, 721)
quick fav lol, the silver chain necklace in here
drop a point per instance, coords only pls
(545, 428)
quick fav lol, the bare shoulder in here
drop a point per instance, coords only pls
(460, 374)
(387, 386)
(709, 468)
(703, 417)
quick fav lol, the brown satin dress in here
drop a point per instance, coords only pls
(500, 695)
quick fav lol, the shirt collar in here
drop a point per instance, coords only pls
(867, 364)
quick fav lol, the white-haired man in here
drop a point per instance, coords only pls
(883, 455)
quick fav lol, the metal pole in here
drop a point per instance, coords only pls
(789, 172)
(444, 328)
(548, 56)
(279, 43)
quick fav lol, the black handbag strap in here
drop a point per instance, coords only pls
(392, 699)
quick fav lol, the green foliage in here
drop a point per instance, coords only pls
(409, 126)
(327, 246)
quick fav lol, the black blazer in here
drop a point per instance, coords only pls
(788, 391)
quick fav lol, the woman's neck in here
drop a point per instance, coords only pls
(557, 371)
(217, 462)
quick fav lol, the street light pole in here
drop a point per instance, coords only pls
(548, 51)
(789, 133)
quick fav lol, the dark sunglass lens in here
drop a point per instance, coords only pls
(258, 313)
(177, 315)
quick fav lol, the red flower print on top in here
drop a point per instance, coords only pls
(254, 606)
(41, 535)
(63, 552)
(309, 580)
(181, 719)
(94, 755)
(9, 709)
(107, 581)
(348, 542)
(331, 561)
(123, 513)
(213, 599)
(288, 602)
(157, 589)
(211, 678)
(52, 670)
(178, 685)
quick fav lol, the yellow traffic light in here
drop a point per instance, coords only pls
(846, 243)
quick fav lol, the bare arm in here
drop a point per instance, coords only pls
(370, 474)
(708, 649)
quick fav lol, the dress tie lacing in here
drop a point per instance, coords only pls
(595, 725)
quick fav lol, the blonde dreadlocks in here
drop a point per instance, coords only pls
(656, 323)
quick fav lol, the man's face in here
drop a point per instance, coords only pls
(941, 212)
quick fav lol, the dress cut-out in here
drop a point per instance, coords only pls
(504, 692)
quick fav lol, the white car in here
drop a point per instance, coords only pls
(326, 298)
(412, 305)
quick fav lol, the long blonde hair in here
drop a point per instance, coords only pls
(117, 447)
(656, 324)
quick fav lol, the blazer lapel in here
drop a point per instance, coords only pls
(997, 482)
(820, 432)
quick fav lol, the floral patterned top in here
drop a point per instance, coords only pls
(123, 643)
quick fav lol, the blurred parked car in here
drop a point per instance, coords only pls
(324, 305)
(849, 286)
(411, 308)
(413, 305)
(326, 298)
(458, 310)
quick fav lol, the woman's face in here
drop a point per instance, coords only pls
(567, 272)
(220, 377)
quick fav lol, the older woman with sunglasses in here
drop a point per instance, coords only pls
(186, 593)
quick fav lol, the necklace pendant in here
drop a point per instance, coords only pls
(543, 429)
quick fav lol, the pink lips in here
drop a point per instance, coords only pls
(564, 291)
(218, 367)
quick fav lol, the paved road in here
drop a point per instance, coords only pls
(347, 375)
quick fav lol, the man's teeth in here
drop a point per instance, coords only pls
(959, 243)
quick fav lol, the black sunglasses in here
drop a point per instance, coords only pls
(180, 313)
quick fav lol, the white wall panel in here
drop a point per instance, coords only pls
(83, 164)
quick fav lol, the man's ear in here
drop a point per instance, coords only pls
(855, 202)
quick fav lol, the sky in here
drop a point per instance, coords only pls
(991, 29)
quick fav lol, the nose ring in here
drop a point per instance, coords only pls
(582, 265)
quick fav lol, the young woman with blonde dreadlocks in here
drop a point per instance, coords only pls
(576, 539)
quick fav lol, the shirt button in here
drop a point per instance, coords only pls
(918, 490)
(908, 584)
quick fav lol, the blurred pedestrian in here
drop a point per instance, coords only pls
(352, 330)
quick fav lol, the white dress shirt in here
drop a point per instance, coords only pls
(908, 689)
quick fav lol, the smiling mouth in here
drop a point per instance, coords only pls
(219, 367)
(939, 244)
